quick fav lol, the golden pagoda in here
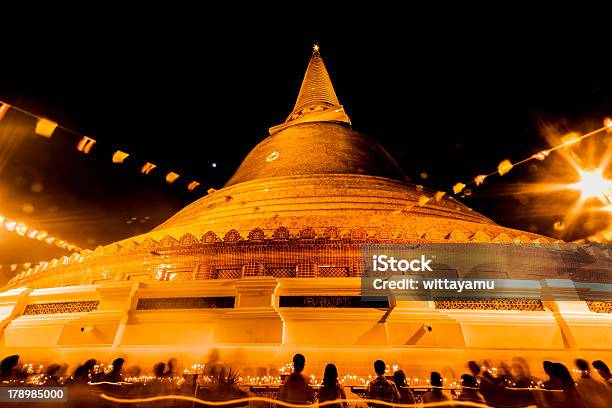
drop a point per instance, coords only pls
(270, 265)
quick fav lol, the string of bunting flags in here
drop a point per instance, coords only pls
(46, 128)
(506, 165)
(20, 228)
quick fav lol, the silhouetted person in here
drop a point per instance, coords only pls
(158, 369)
(89, 371)
(7, 367)
(295, 388)
(593, 393)
(560, 380)
(52, 379)
(171, 367)
(115, 375)
(436, 394)
(521, 378)
(380, 388)
(603, 370)
(79, 376)
(331, 389)
(469, 390)
(405, 393)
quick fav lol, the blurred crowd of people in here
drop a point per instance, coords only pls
(480, 385)
(505, 386)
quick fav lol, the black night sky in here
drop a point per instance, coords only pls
(451, 100)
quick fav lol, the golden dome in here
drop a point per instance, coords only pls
(316, 148)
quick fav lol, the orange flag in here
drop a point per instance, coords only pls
(480, 179)
(423, 200)
(3, 109)
(45, 127)
(119, 156)
(86, 144)
(504, 167)
(193, 185)
(457, 188)
(147, 168)
(171, 177)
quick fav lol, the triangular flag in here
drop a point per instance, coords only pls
(479, 179)
(3, 109)
(504, 167)
(119, 156)
(457, 188)
(147, 168)
(45, 127)
(541, 155)
(193, 185)
(423, 200)
(171, 177)
(86, 144)
(439, 195)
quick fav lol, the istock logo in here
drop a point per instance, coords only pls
(384, 263)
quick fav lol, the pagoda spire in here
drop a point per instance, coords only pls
(317, 100)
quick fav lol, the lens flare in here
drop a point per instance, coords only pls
(593, 184)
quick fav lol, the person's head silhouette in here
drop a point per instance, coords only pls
(602, 369)
(582, 365)
(468, 381)
(474, 368)
(330, 377)
(299, 361)
(379, 367)
(118, 364)
(399, 378)
(435, 379)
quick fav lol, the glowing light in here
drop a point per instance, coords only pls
(272, 156)
(592, 184)
(608, 124)
(559, 226)
(315, 47)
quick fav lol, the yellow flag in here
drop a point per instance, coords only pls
(479, 179)
(119, 156)
(147, 168)
(423, 200)
(85, 144)
(3, 109)
(45, 127)
(171, 177)
(193, 185)
(541, 155)
(439, 195)
(504, 167)
(457, 188)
